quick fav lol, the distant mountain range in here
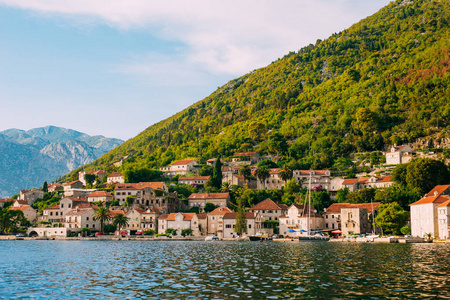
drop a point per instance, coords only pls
(28, 158)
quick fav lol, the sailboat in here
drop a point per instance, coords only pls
(318, 237)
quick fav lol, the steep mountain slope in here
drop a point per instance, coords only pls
(384, 80)
(28, 158)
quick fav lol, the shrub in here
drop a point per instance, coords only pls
(149, 232)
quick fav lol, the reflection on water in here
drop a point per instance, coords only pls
(222, 270)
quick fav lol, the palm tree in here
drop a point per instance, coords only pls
(120, 221)
(102, 214)
(286, 173)
(262, 173)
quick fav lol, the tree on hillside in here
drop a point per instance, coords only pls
(45, 187)
(391, 218)
(320, 200)
(286, 173)
(209, 207)
(241, 221)
(102, 214)
(246, 172)
(10, 219)
(256, 130)
(89, 178)
(120, 221)
(361, 196)
(402, 195)
(262, 174)
(399, 174)
(134, 174)
(216, 179)
(425, 173)
(278, 144)
(341, 195)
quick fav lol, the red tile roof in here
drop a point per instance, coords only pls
(367, 206)
(350, 181)
(336, 208)
(56, 206)
(209, 196)
(363, 179)
(446, 203)
(194, 178)
(245, 154)
(385, 179)
(139, 186)
(72, 182)
(439, 189)
(433, 199)
(307, 172)
(23, 202)
(115, 174)
(100, 194)
(186, 216)
(182, 162)
(233, 215)
(163, 217)
(266, 204)
(6, 200)
(202, 216)
(113, 213)
(21, 208)
(220, 211)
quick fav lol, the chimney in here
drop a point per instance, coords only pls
(436, 193)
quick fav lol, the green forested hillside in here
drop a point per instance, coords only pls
(384, 80)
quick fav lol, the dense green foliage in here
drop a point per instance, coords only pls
(382, 81)
(10, 219)
(391, 218)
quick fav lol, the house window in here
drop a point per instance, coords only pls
(249, 225)
(87, 218)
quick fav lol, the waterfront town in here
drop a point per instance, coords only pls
(158, 208)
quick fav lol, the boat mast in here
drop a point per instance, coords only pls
(309, 205)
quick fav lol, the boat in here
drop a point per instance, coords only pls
(211, 238)
(260, 237)
(309, 237)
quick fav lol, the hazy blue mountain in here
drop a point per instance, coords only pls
(28, 158)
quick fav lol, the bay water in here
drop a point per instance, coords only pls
(222, 270)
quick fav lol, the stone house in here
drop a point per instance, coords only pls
(194, 180)
(31, 196)
(211, 161)
(424, 213)
(72, 185)
(269, 210)
(274, 182)
(79, 218)
(55, 186)
(143, 219)
(399, 155)
(19, 203)
(199, 224)
(4, 201)
(99, 196)
(180, 167)
(179, 221)
(351, 184)
(53, 214)
(296, 219)
(355, 220)
(68, 203)
(29, 212)
(200, 200)
(98, 173)
(333, 214)
(115, 177)
(245, 158)
(123, 190)
(215, 221)
(318, 177)
(254, 224)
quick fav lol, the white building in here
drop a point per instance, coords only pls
(399, 155)
(115, 177)
(180, 167)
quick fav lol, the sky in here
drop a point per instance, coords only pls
(115, 67)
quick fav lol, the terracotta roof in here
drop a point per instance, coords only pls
(78, 211)
(56, 184)
(433, 199)
(24, 191)
(202, 216)
(212, 159)
(446, 203)
(336, 208)
(163, 217)
(266, 204)
(72, 182)
(24, 202)
(245, 154)
(283, 206)
(148, 211)
(233, 215)
(113, 213)
(186, 216)
(6, 200)
(194, 178)
(385, 179)
(76, 199)
(56, 206)
(439, 189)
(209, 196)
(115, 174)
(182, 162)
(307, 172)
(220, 211)
(21, 208)
(239, 176)
(350, 181)
(100, 194)
(139, 186)
(363, 179)
(367, 206)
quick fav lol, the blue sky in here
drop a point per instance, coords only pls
(115, 67)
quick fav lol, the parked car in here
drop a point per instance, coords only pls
(21, 235)
(99, 233)
(139, 232)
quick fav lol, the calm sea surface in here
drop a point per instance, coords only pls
(222, 270)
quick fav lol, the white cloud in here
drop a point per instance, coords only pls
(228, 37)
